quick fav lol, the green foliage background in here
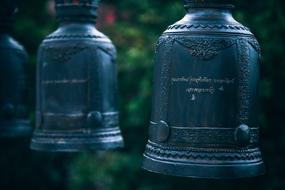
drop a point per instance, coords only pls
(137, 28)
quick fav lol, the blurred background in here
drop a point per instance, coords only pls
(134, 26)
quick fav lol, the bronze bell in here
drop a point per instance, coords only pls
(76, 84)
(205, 111)
(14, 116)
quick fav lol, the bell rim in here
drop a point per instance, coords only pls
(93, 140)
(203, 171)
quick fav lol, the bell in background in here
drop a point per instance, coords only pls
(14, 120)
(205, 111)
(76, 84)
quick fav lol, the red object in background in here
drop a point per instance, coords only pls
(75, 1)
(106, 16)
(51, 8)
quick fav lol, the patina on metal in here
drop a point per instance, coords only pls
(205, 111)
(76, 84)
(14, 120)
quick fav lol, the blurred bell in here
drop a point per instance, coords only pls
(14, 120)
(76, 84)
(205, 111)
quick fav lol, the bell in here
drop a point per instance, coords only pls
(204, 121)
(76, 84)
(14, 120)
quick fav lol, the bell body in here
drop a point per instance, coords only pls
(77, 89)
(14, 119)
(205, 111)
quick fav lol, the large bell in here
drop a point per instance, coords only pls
(76, 84)
(14, 120)
(205, 110)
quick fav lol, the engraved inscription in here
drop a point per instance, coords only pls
(65, 81)
(203, 92)
(203, 85)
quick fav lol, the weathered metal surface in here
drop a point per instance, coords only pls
(77, 85)
(205, 112)
(14, 120)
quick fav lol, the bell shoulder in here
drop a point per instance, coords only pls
(8, 42)
(191, 24)
(74, 37)
(81, 32)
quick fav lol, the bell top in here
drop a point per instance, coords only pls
(225, 4)
(8, 10)
(76, 10)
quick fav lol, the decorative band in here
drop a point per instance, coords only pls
(190, 154)
(79, 134)
(204, 137)
(59, 121)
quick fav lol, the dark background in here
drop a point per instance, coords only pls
(134, 26)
